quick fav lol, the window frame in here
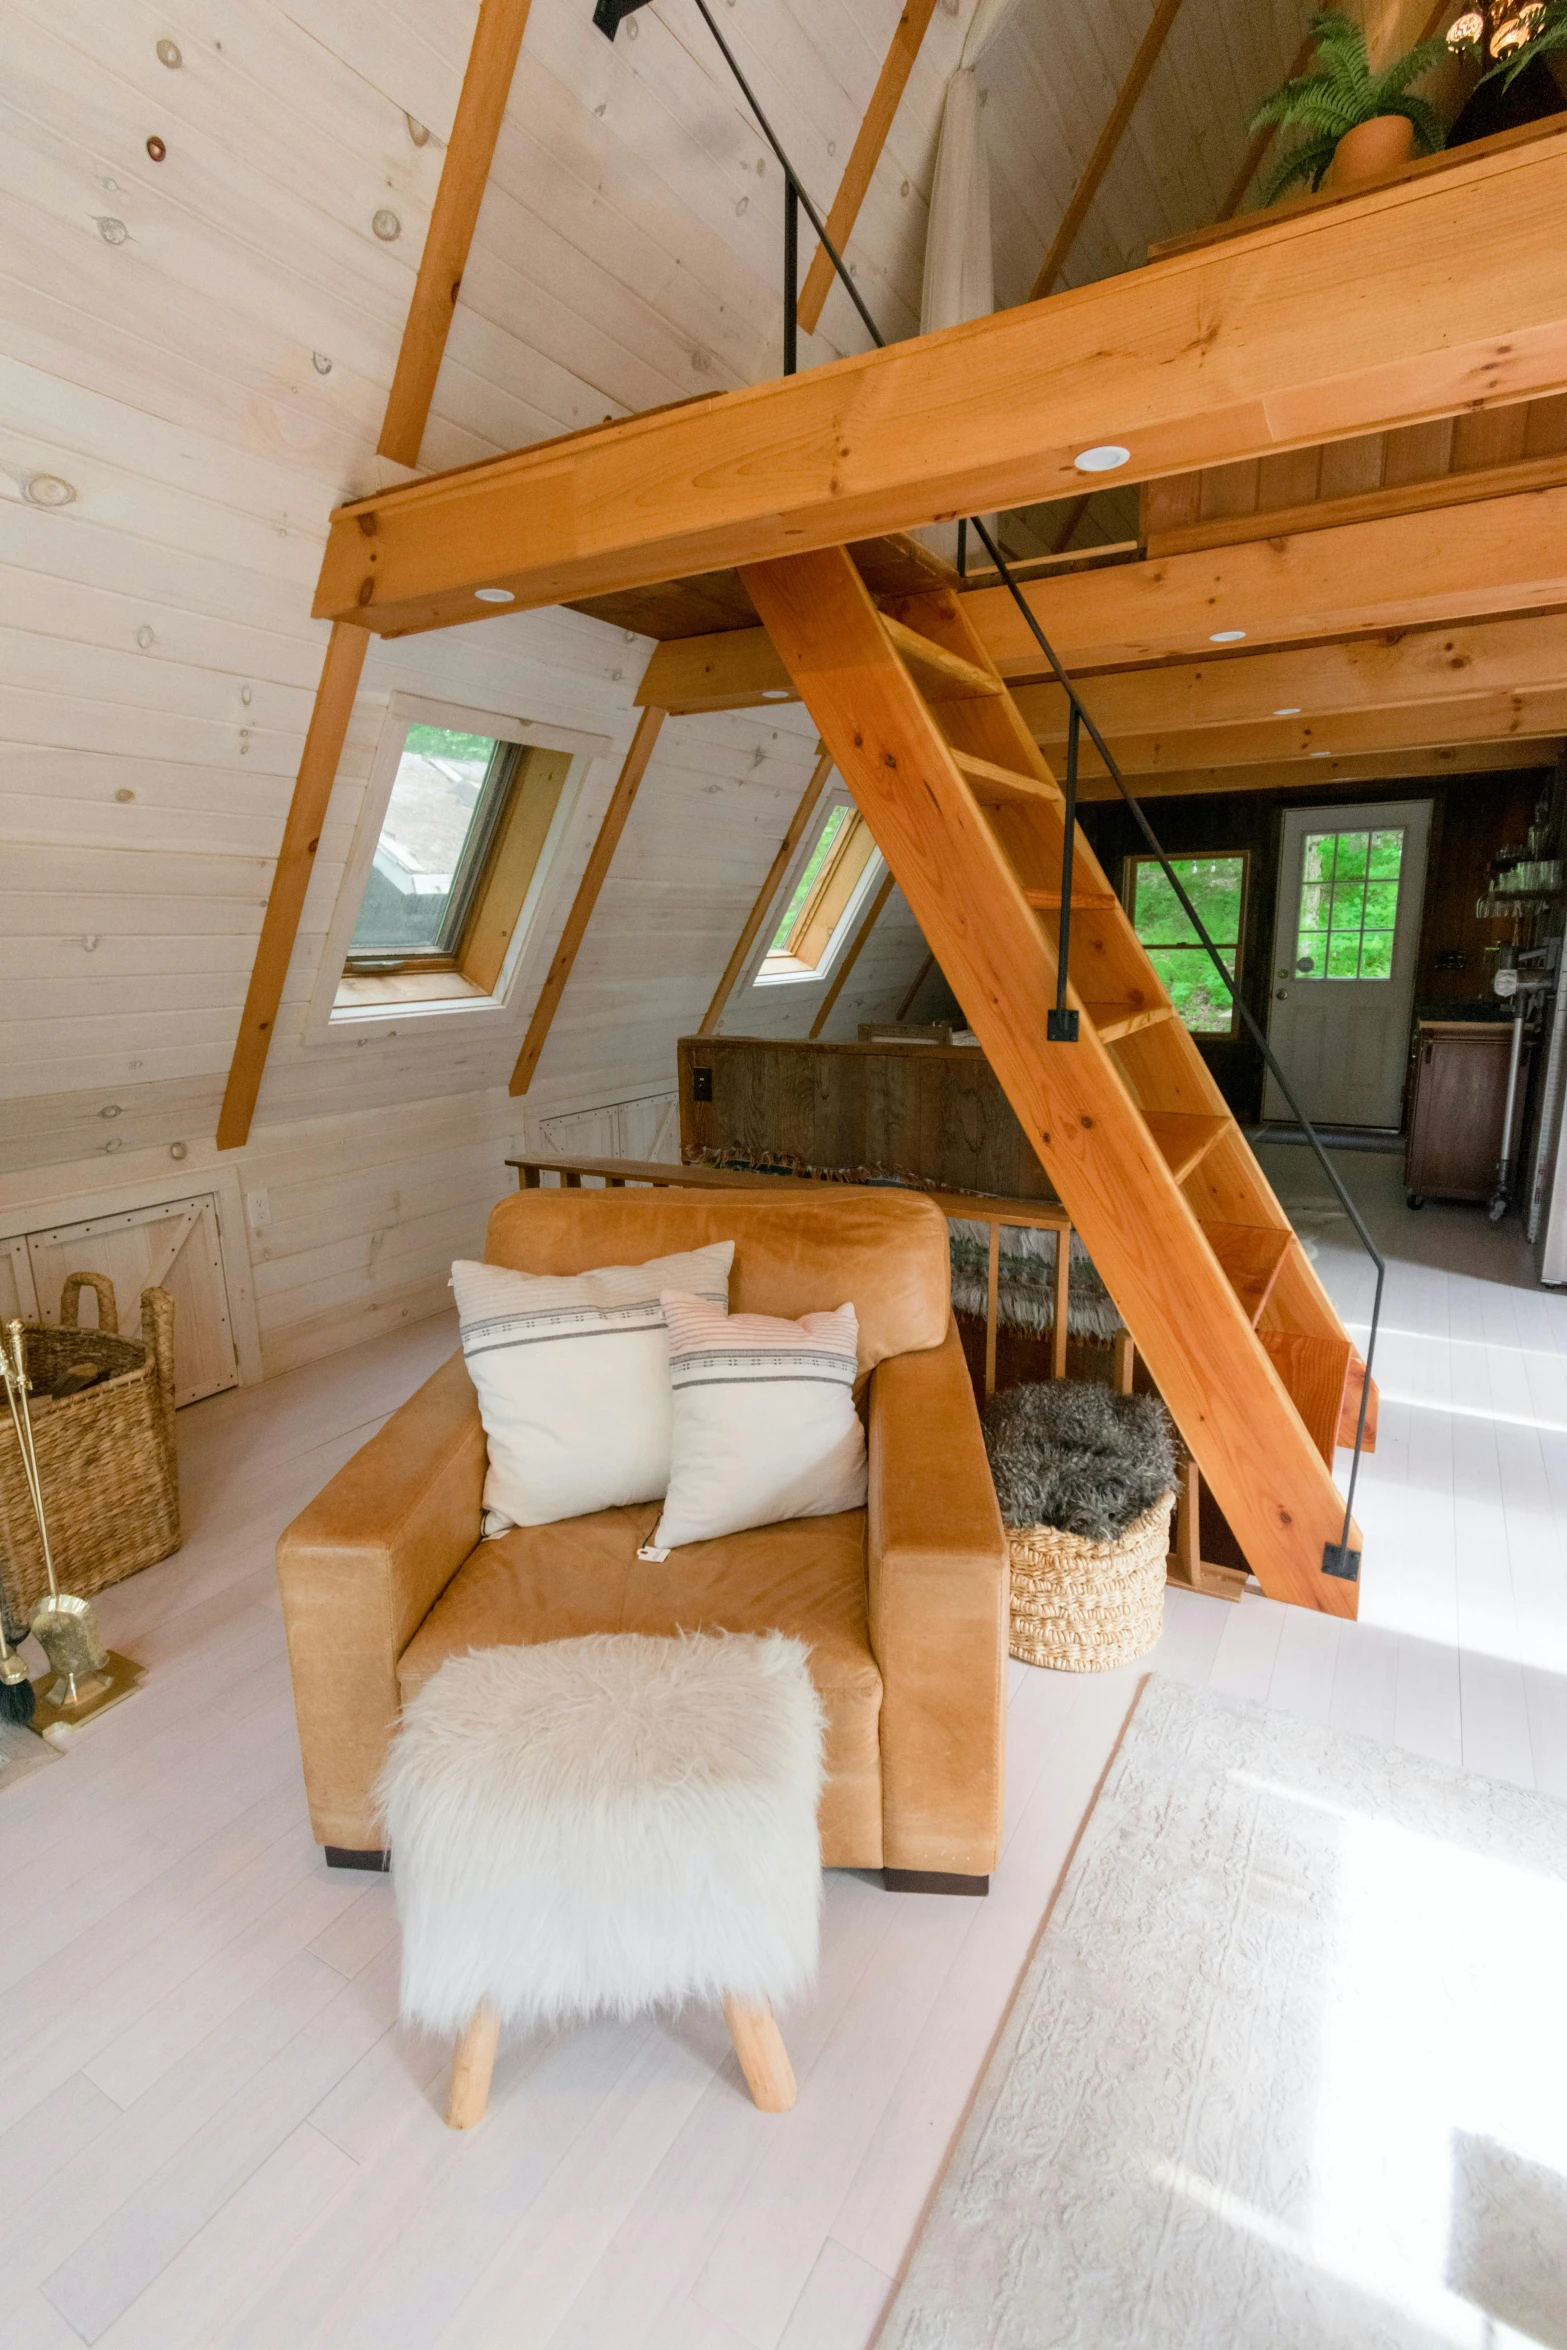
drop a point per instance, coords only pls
(1133, 863)
(359, 1006)
(473, 865)
(840, 916)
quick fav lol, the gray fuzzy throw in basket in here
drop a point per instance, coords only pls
(1078, 1457)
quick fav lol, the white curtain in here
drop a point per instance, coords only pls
(959, 268)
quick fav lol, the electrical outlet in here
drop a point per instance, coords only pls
(258, 1207)
(701, 1085)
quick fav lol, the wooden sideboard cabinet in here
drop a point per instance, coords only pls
(1455, 1121)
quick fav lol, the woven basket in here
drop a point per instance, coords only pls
(1084, 1607)
(106, 1457)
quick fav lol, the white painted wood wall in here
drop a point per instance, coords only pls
(194, 355)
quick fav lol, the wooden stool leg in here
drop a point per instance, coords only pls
(473, 2061)
(764, 2060)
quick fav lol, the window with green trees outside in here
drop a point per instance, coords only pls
(1348, 904)
(1216, 887)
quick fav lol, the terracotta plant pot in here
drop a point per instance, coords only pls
(1370, 149)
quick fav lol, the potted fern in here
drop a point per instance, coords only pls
(1360, 123)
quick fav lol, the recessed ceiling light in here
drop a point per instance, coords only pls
(494, 596)
(1226, 636)
(1319, 754)
(1103, 459)
(1292, 712)
(776, 693)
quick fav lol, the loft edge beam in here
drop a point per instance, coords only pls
(1439, 293)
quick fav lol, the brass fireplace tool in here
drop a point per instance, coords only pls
(84, 1676)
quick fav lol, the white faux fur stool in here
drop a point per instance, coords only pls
(595, 1827)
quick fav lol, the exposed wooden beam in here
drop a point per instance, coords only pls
(1410, 497)
(497, 38)
(634, 768)
(768, 891)
(1329, 774)
(1441, 669)
(334, 706)
(865, 155)
(852, 954)
(1418, 726)
(1405, 571)
(1414, 300)
(1149, 50)
(1424, 571)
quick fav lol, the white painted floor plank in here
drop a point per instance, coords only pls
(213, 2133)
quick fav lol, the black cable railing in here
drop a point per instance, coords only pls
(1062, 1022)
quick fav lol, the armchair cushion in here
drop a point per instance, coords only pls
(582, 1575)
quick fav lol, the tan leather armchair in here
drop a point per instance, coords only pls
(903, 1605)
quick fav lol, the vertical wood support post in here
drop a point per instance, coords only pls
(614, 824)
(497, 39)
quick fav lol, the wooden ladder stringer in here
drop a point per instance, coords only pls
(1128, 1123)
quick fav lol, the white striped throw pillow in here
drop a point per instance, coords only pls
(765, 1424)
(572, 1376)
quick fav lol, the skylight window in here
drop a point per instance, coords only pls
(826, 895)
(450, 793)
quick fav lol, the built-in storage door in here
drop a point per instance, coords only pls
(173, 1246)
(1351, 885)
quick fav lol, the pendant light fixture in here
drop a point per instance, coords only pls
(1498, 30)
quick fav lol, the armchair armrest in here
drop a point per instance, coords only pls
(938, 1573)
(359, 1570)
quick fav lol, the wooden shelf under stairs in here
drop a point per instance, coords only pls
(1220, 1297)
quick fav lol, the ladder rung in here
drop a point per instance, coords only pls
(1086, 901)
(1114, 1021)
(940, 675)
(1315, 1371)
(1185, 1137)
(1250, 1256)
(1002, 787)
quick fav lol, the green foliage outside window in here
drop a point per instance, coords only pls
(1216, 887)
(1348, 905)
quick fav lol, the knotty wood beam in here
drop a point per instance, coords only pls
(1434, 569)
(1410, 301)
(496, 40)
(1149, 50)
(1327, 774)
(852, 953)
(1410, 497)
(768, 891)
(614, 824)
(864, 157)
(1478, 718)
(1443, 671)
(334, 707)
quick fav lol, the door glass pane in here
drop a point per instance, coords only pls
(1348, 904)
(415, 898)
(1216, 887)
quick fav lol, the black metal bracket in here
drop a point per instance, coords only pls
(609, 15)
(1061, 1026)
(1338, 1560)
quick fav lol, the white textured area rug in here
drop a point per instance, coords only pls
(1288, 2070)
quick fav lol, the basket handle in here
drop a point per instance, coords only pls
(103, 1289)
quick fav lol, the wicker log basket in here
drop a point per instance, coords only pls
(1085, 1479)
(106, 1456)
(1083, 1606)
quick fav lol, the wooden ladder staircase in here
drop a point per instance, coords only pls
(1221, 1299)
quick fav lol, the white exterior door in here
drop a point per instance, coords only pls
(1351, 887)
